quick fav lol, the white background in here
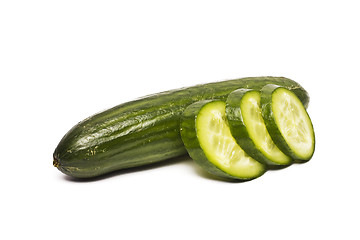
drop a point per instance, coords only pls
(61, 61)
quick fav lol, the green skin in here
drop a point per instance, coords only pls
(270, 122)
(143, 131)
(238, 128)
(189, 136)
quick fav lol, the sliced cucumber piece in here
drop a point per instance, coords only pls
(248, 127)
(208, 140)
(288, 122)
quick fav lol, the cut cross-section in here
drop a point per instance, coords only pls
(207, 137)
(288, 122)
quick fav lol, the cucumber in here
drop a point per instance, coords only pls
(288, 123)
(143, 131)
(248, 128)
(208, 140)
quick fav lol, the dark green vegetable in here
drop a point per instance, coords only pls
(143, 131)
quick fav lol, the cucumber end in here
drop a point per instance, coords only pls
(56, 162)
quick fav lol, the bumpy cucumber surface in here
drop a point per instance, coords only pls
(208, 140)
(248, 128)
(143, 131)
(288, 122)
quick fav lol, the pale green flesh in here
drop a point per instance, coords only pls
(255, 125)
(293, 122)
(219, 145)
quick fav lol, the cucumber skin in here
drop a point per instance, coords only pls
(270, 122)
(143, 131)
(239, 130)
(189, 137)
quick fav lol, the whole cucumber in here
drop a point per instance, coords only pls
(144, 131)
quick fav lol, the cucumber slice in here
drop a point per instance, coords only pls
(208, 140)
(288, 122)
(248, 128)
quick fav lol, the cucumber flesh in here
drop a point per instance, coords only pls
(218, 146)
(254, 137)
(289, 123)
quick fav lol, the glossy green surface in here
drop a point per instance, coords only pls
(248, 128)
(143, 131)
(208, 140)
(288, 122)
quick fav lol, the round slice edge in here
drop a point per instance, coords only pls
(288, 122)
(208, 140)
